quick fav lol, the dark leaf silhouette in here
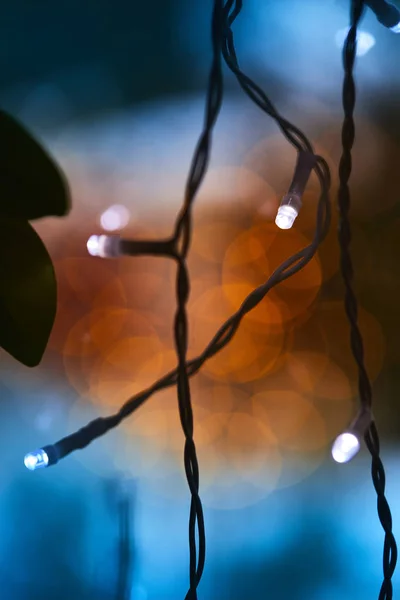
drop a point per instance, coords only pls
(31, 184)
(28, 292)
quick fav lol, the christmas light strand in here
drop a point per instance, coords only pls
(177, 248)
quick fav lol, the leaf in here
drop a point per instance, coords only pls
(31, 184)
(28, 292)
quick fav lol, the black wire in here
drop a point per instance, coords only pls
(351, 307)
(182, 238)
(294, 135)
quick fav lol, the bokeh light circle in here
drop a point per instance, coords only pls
(254, 256)
(247, 356)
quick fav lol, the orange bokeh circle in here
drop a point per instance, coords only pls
(294, 420)
(247, 356)
(375, 158)
(129, 366)
(91, 339)
(253, 257)
(332, 320)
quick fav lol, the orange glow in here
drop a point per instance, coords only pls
(91, 338)
(211, 239)
(129, 366)
(240, 467)
(334, 384)
(372, 190)
(235, 187)
(247, 356)
(87, 277)
(299, 371)
(332, 320)
(256, 253)
(306, 369)
(218, 397)
(113, 294)
(309, 373)
(292, 418)
(319, 380)
(108, 327)
(244, 445)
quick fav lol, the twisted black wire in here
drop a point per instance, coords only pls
(182, 238)
(292, 133)
(344, 234)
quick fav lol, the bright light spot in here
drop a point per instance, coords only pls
(286, 216)
(365, 41)
(105, 246)
(396, 28)
(36, 460)
(93, 245)
(115, 217)
(345, 447)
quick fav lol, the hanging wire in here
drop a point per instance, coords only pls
(292, 133)
(351, 307)
(182, 239)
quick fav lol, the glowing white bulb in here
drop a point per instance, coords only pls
(286, 216)
(36, 460)
(115, 217)
(104, 246)
(396, 28)
(345, 447)
(93, 245)
(365, 41)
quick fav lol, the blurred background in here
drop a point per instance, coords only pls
(116, 92)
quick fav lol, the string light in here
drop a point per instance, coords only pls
(351, 306)
(42, 458)
(36, 460)
(291, 203)
(348, 443)
(112, 246)
(176, 248)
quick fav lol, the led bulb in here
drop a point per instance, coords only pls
(36, 460)
(105, 246)
(286, 216)
(347, 444)
(396, 28)
(345, 447)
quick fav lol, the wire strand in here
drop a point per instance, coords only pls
(351, 305)
(182, 239)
